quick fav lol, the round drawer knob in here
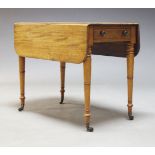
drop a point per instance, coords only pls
(102, 33)
(125, 33)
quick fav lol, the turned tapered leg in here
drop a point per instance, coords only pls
(62, 76)
(22, 81)
(130, 70)
(87, 82)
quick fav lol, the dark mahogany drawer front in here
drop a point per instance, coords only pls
(102, 34)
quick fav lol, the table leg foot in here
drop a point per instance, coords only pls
(21, 108)
(62, 99)
(131, 117)
(89, 129)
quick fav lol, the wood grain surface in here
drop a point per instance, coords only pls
(59, 42)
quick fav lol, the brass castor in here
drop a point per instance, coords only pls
(90, 129)
(21, 108)
(131, 117)
(62, 99)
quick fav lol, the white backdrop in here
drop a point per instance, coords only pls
(46, 123)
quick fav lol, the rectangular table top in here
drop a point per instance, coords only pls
(63, 41)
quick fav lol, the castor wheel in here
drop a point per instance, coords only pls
(131, 117)
(61, 102)
(21, 108)
(62, 99)
(90, 129)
